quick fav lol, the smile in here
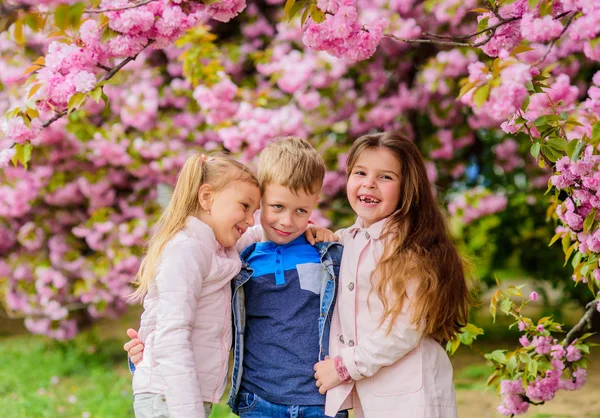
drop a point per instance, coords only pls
(368, 200)
(282, 233)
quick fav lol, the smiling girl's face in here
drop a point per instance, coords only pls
(373, 186)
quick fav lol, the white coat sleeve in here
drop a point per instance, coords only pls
(379, 348)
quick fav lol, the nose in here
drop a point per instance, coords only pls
(369, 183)
(250, 219)
(286, 219)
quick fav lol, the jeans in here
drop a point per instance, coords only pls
(251, 405)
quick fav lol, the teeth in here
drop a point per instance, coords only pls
(365, 199)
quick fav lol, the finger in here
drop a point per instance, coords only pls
(131, 333)
(135, 359)
(316, 376)
(310, 236)
(322, 390)
(319, 384)
(137, 349)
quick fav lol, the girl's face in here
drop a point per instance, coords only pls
(232, 211)
(374, 185)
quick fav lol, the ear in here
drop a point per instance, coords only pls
(205, 197)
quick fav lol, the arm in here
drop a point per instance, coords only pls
(373, 352)
(252, 235)
(179, 280)
(380, 349)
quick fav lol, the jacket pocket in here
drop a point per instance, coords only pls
(404, 376)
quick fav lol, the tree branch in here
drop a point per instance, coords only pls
(117, 9)
(569, 21)
(584, 324)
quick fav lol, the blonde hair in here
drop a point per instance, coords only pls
(291, 162)
(218, 171)
(418, 245)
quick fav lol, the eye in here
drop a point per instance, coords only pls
(359, 173)
(246, 206)
(385, 177)
(277, 207)
(302, 211)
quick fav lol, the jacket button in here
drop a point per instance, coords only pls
(351, 286)
(351, 343)
(342, 339)
(367, 236)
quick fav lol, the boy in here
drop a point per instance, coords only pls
(284, 295)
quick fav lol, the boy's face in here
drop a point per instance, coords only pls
(284, 214)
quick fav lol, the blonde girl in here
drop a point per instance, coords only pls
(402, 291)
(184, 281)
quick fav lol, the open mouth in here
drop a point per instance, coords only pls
(240, 230)
(369, 200)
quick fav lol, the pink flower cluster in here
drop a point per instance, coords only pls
(343, 36)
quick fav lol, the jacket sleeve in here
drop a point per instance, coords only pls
(381, 348)
(182, 269)
(252, 235)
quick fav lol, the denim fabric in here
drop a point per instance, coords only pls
(331, 255)
(250, 405)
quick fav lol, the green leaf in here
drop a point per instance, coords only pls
(75, 101)
(74, 14)
(532, 4)
(535, 150)
(551, 153)
(574, 148)
(525, 104)
(305, 16)
(22, 154)
(514, 291)
(317, 14)
(506, 305)
(555, 238)
(596, 134)
(18, 33)
(557, 143)
(61, 16)
(540, 120)
(569, 252)
(483, 24)
(96, 94)
(589, 221)
(287, 8)
(524, 357)
(481, 95)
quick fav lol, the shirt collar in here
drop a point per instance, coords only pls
(270, 244)
(195, 228)
(373, 230)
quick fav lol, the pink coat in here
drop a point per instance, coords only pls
(186, 324)
(402, 374)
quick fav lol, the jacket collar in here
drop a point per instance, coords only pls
(374, 230)
(195, 228)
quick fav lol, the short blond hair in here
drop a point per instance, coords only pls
(291, 162)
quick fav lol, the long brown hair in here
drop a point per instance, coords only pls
(219, 171)
(417, 245)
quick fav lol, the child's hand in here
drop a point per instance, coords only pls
(134, 348)
(326, 375)
(316, 234)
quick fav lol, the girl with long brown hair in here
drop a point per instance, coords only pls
(403, 291)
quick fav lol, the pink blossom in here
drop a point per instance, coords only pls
(225, 10)
(533, 296)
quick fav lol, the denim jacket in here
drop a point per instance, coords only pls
(331, 256)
